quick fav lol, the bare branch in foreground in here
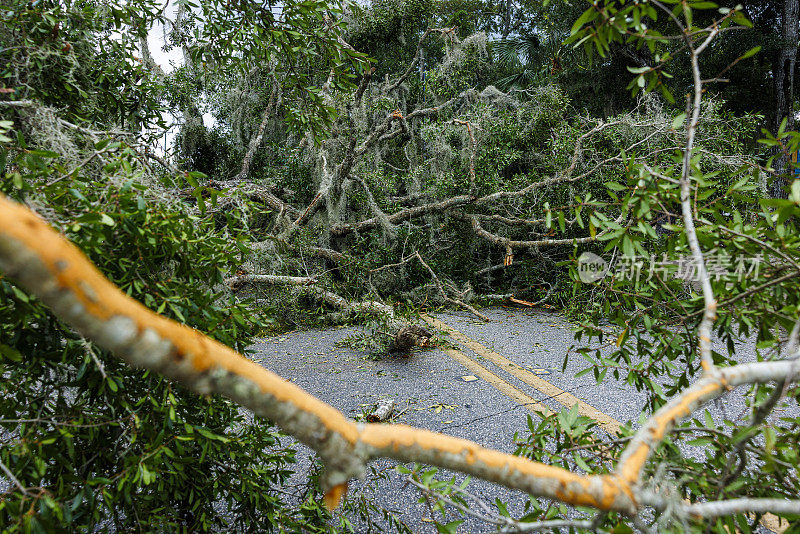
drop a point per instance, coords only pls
(693, 111)
(50, 267)
(710, 510)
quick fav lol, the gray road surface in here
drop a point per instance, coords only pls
(430, 392)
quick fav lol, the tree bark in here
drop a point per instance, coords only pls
(784, 89)
(507, 18)
(48, 266)
(381, 412)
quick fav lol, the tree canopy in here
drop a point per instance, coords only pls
(317, 162)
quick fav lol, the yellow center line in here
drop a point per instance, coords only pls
(498, 383)
(605, 421)
(772, 522)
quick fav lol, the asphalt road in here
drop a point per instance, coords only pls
(431, 393)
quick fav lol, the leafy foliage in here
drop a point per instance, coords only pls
(95, 442)
(64, 55)
(94, 445)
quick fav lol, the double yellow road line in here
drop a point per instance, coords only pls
(552, 391)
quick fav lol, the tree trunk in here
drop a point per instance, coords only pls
(784, 89)
(507, 19)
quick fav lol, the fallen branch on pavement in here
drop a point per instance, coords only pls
(48, 266)
(382, 411)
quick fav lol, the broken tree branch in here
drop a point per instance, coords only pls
(47, 265)
(507, 243)
(381, 412)
(394, 85)
(402, 215)
(473, 149)
(444, 294)
(236, 282)
(319, 252)
(274, 103)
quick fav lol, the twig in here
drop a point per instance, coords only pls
(100, 367)
(13, 479)
(443, 293)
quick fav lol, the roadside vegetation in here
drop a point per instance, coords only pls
(320, 163)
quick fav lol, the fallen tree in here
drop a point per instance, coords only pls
(48, 266)
(445, 134)
(426, 193)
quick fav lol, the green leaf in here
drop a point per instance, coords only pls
(210, 435)
(750, 53)
(740, 19)
(449, 528)
(10, 353)
(709, 421)
(614, 186)
(580, 462)
(588, 15)
(704, 5)
(678, 121)
(23, 297)
(44, 153)
(100, 145)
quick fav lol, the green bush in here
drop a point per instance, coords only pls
(96, 444)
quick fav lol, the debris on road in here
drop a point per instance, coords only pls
(382, 412)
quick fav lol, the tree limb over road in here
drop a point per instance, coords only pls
(54, 270)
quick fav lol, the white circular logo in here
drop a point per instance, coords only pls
(591, 267)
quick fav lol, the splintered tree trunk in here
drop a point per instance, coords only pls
(381, 412)
(784, 88)
(407, 337)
